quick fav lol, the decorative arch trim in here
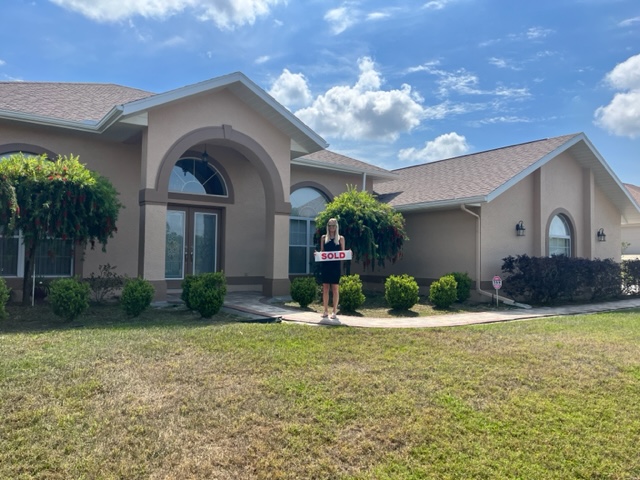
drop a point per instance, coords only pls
(26, 147)
(242, 143)
(316, 186)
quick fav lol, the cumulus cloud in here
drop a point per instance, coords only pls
(340, 19)
(364, 110)
(622, 115)
(291, 89)
(445, 146)
(225, 14)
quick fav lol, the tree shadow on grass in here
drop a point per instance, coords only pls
(40, 318)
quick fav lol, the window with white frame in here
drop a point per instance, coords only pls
(559, 236)
(54, 257)
(306, 204)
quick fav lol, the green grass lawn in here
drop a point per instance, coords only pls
(169, 395)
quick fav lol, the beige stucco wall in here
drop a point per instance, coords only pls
(120, 163)
(331, 183)
(631, 235)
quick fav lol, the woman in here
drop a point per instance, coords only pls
(332, 241)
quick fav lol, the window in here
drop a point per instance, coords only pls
(54, 257)
(559, 236)
(192, 175)
(306, 204)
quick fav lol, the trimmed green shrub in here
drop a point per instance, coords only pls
(304, 290)
(401, 291)
(464, 285)
(443, 292)
(207, 292)
(631, 276)
(4, 297)
(351, 296)
(186, 290)
(69, 297)
(137, 295)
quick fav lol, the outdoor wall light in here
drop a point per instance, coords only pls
(205, 156)
(520, 229)
(602, 237)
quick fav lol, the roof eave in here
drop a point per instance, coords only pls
(441, 204)
(343, 168)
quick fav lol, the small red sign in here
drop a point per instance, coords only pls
(497, 282)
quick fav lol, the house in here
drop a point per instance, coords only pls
(219, 176)
(631, 231)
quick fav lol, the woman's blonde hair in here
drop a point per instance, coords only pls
(327, 237)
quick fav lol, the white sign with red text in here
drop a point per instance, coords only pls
(332, 256)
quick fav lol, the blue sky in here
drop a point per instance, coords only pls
(391, 83)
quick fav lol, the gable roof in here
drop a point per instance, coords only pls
(634, 190)
(481, 177)
(326, 159)
(120, 112)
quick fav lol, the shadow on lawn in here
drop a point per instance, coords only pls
(40, 318)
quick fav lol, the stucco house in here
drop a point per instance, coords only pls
(219, 176)
(631, 231)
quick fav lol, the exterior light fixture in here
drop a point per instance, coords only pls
(520, 229)
(205, 156)
(602, 237)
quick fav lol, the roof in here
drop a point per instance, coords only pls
(634, 190)
(326, 159)
(74, 102)
(481, 177)
(120, 112)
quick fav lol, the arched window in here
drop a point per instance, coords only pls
(192, 175)
(54, 256)
(306, 204)
(560, 236)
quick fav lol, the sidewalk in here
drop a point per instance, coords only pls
(254, 305)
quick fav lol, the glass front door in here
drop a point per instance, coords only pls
(191, 242)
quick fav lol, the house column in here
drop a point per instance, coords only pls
(151, 248)
(538, 229)
(588, 205)
(276, 281)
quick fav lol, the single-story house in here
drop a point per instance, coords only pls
(218, 176)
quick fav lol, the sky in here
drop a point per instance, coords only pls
(387, 82)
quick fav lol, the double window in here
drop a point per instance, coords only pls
(306, 204)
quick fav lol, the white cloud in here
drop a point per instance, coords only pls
(364, 110)
(622, 115)
(536, 33)
(340, 19)
(291, 90)
(629, 22)
(436, 4)
(445, 146)
(2, 62)
(262, 59)
(462, 82)
(378, 15)
(226, 14)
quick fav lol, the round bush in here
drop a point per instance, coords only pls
(304, 290)
(443, 292)
(4, 297)
(401, 291)
(69, 297)
(186, 290)
(207, 293)
(351, 296)
(137, 295)
(464, 285)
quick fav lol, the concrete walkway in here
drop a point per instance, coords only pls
(254, 305)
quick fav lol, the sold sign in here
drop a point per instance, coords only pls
(330, 256)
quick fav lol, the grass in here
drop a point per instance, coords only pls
(169, 395)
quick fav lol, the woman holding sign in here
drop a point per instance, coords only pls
(332, 241)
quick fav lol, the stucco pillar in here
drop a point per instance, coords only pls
(276, 282)
(153, 220)
(538, 229)
(588, 203)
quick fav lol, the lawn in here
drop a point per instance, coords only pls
(169, 395)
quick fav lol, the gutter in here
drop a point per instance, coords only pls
(506, 300)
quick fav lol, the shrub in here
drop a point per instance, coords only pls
(464, 285)
(69, 297)
(137, 295)
(4, 297)
(304, 290)
(105, 283)
(443, 292)
(186, 290)
(351, 296)
(401, 291)
(631, 276)
(207, 292)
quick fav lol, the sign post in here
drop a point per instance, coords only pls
(497, 284)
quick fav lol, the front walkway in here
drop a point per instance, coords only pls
(254, 305)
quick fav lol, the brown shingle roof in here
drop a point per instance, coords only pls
(77, 102)
(468, 176)
(333, 158)
(634, 190)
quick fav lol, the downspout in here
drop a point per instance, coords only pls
(506, 300)
(364, 181)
